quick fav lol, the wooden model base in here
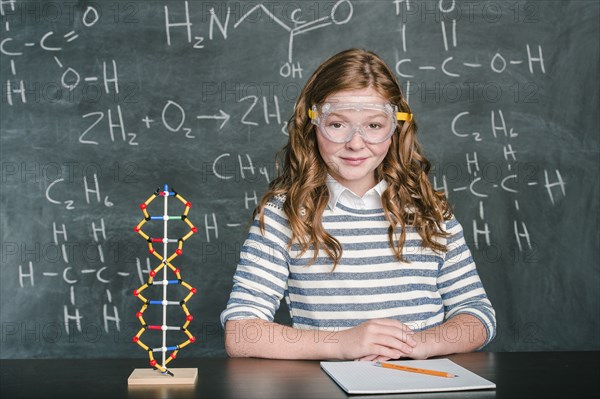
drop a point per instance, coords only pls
(155, 377)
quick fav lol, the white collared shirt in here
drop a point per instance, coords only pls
(343, 195)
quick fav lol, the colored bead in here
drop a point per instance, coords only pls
(153, 363)
(138, 314)
(136, 229)
(136, 293)
(136, 339)
(143, 206)
(178, 251)
(177, 271)
(173, 355)
(195, 229)
(190, 317)
(194, 290)
(188, 204)
(152, 273)
(192, 339)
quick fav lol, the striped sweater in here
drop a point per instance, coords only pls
(368, 282)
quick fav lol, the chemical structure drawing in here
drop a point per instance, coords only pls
(165, 264)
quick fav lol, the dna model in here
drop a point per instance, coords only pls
(165, 282)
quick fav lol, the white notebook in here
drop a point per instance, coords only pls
(357, 377)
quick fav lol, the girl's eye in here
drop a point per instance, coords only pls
(374, 125)
(335, 125)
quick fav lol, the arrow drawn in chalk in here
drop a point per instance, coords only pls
(224, 116)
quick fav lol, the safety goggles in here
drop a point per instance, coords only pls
(339, 122)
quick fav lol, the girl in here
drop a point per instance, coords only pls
(369, 258)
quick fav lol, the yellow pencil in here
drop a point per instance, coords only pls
(414, 370)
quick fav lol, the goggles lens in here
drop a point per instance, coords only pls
(340, 122)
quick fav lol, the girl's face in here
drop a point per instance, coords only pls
(353, 163)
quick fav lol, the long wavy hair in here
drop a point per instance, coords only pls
(409, 199)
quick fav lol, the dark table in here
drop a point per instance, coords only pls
(516, 374)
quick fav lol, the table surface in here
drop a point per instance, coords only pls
(516, 374)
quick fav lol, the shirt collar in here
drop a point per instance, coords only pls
(336, 190)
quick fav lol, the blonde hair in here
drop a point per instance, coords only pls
(409, 199)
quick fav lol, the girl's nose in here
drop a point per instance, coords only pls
(356, 142)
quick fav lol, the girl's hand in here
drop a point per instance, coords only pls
(377, 339)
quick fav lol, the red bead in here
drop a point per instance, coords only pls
(190, 317)
(136, 339)
(136, 229)
(194, 290)
(138, 314)
(195, 229)
(192, 339)
(177, 271)
(153, 363)
(142, 206)
(151, 250)
(188, 204)
(173, 355)
(152, 273)
(178, 251)
(136, 293)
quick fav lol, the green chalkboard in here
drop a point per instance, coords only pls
(103, 102)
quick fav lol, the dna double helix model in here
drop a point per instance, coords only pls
(166, 264)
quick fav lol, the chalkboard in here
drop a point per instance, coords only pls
(104, 102)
